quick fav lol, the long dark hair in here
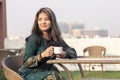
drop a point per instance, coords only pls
(54, 32)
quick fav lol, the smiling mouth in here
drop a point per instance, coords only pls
(44, 26)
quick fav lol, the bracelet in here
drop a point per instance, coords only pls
(40, 56)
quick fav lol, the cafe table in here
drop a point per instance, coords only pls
(84, 60)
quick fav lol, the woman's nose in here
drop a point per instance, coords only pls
(43, 21)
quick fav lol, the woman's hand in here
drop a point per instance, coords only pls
(61, 55)
(48, 52)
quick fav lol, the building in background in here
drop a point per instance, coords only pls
(76, 33)
(102, 33)
(94, 33)
(78, 26)
(64, 27)
(77, 30)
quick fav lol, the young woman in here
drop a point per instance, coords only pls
(39, 48)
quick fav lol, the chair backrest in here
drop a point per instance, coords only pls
(10, 67)
(22, 51)
(95, 51)
(5, 53)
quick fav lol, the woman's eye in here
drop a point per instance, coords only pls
(39, 19)
(43, 19)
(47, 19)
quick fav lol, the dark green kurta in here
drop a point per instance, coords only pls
(34, 70)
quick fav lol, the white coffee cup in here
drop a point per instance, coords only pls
(58, 50)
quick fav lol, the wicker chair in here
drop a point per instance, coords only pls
(10, 67)
(3, 54)
(94, 51)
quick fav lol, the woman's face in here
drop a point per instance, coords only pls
(44, 22)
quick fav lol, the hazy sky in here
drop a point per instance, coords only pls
(103, 14)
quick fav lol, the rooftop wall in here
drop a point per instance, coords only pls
(112, 46)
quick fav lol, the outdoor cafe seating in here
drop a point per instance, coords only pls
(3, 54)
(95, 51)
(10, 67)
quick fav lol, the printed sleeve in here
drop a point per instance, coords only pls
(29, 58)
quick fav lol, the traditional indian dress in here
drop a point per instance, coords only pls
(34, 70)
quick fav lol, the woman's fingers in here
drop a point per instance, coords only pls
(49, 51)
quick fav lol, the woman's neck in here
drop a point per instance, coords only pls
(45, 35)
